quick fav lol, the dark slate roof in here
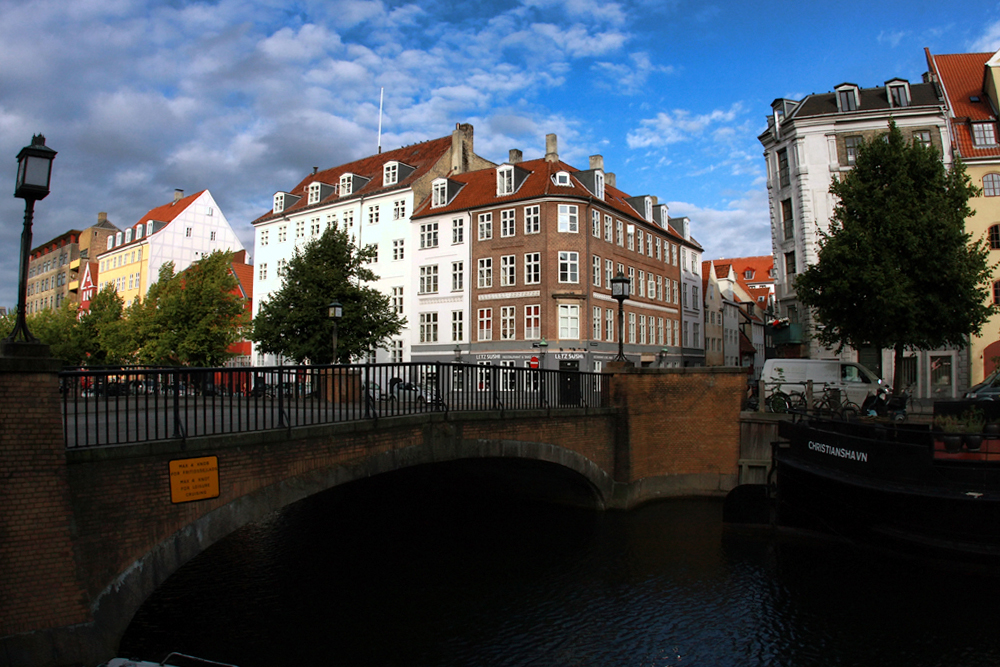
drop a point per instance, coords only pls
(871, 99)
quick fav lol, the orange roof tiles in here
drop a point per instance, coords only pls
(961, 76)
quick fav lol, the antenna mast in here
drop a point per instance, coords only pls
(380, 94)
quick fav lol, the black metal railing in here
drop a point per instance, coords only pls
(132, 405)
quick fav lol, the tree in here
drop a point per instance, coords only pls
(293, 321)
(897, 269)
(190, 318)
(102, 332)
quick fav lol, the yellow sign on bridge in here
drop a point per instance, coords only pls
(194, 479)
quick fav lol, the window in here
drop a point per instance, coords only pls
(532, 322)
(898, 96)
(128, 235)
(659, 330)
(532, 219)
(595, 323)
(282, 233)
(149, 229)
(991, 185)
(399, 209)
(609, 272)
(595, 224)
(300, 228)
(507, 328)
(508, 275)
(429, 279)
(439, 193)
(783, 176)
(984, 134)
(562, 178)
(457, 326)
(607, 229)
(609, 324)
(639, 241)
(846, 100)
(282, 267)
(397, 249)
(631, 280)
(396, 300)
(262, 272)
(485, 272)
(373, 213)
(659, 255)
(922, 137)
(505, 180)
(620, 233)
(673, 253)
(390, 173)
(642, 329)
(851, 145)
(630, 235)
(569, 267)
(485, 324)
(458, 230)
(659, 288)
(651, 287)
(507, 223)
(187, 233)
(314, 189)
(532, 268)
(457, 276)
(314, 228)
(790, 263)
(428, 327)
(649, 244)
(595, 279)
(996, 292)
(429, 235)
(396, 351)
(346, 184)
(787, 219)
(485, 226)
(994, 234)
(569, 322)
(642, 283)
(631, 328)
(599, 184)
(568, 218)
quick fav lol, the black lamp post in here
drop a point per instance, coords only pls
(34, 169)
(543, 347)
(458, 354)
(335, 311)
(620, 291)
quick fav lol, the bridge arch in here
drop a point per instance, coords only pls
(579, 481)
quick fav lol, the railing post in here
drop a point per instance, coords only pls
(282, 421)
(178, 426)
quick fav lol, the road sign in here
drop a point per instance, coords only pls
(534, 362)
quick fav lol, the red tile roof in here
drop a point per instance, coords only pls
(422, 156)
(961, 76)
(479, 190)
(168, 212)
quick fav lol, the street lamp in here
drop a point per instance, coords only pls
(663, 356)
(458, 354)
(620, 291)
(542, 347)
(34, 169)
(335, 311)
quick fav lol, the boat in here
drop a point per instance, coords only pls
(908, 488)
(174, 659)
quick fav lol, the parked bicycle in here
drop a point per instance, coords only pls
(833, 403)
(780, 401)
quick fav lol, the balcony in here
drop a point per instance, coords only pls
(792, 334)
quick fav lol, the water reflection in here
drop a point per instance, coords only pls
(423, 570)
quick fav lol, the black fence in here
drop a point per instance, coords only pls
(133, 405)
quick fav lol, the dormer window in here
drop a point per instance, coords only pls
(390, 173)
(111, 242)
(279, 202)
(314, 193)
(439, 193)
(599, 184)
(649, 209)
(505, 180)
(346, 184)
(748, 274)
(847, 97)
(128, 235)
(898, 92)
(984, 134)
(149, 228)
(118, 238)
(562, 178)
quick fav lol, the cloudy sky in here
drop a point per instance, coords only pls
(244, 97)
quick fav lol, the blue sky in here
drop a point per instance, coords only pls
(244, 97)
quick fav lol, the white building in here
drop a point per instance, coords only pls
(372, 199)
(692, 301)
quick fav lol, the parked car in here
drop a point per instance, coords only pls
(987, 389)
(410, 392)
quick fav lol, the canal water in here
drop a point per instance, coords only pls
(420, 570)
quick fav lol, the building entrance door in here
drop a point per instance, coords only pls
(569, 382)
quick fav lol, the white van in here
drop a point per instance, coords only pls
(792, 375)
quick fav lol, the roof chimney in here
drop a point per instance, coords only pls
(515, 156)
(551, 148)
(609, 179)
(461, 148)
(178, 195)
(597, 162)
(102, 217)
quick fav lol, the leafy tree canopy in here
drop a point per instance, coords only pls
(897, 269)
(293, 321)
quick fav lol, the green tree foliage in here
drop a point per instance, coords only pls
(102, 333)
(189, 318)
(293, 321)
(897, 269)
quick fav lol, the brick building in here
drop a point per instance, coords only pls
(513, 263)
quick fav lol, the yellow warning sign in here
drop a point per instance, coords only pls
(194, 479)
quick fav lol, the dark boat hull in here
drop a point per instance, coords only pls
(887, 487)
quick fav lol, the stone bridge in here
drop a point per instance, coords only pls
(86, 535)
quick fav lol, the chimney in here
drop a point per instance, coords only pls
(609, 179)
(461, 148)
(102, 217)
(551, 148)
(178, 195)
(515, 156)
(597, 162)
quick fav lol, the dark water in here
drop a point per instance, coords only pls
(421, 571)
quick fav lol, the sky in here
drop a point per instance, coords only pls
(245, 97)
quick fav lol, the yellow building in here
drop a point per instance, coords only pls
(970, 82)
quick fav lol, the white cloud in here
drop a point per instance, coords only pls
(989, 40)
(742, 228)
(678, 125)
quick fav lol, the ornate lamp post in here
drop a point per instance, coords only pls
(458, 354)
(335, 311)
(34, 169)
(620, 291)
(543, 347)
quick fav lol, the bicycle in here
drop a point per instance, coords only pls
(794, 401)
(830, 404)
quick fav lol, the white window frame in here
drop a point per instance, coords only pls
(532, 219)
(485, 226)
(569, 321)
(569, 267)
(532, 268)
(569, 221)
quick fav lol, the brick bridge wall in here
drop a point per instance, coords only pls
(91, 533)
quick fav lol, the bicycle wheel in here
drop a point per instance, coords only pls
(778, 402)
(797, 401)
(850, 410)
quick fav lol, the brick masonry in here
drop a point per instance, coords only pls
(86, 535)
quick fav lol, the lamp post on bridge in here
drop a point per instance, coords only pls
(34, 170)
(620, 291)
(335, 311)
